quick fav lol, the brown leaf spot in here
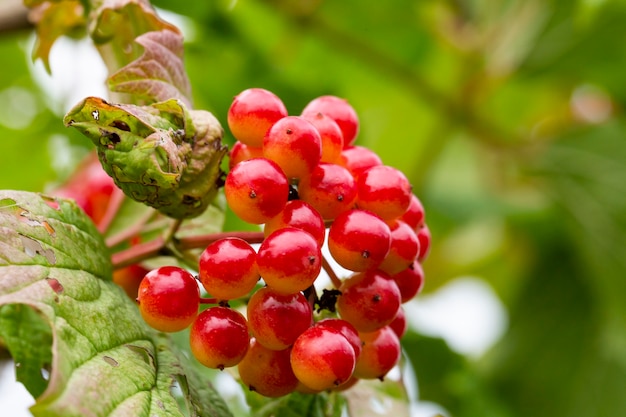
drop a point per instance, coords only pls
(56, 286)
(111, 361)
(118, 124)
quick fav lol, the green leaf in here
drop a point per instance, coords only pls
(162, 155)
(158, 74)
(105, 361)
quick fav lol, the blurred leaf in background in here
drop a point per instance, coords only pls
(507, 116)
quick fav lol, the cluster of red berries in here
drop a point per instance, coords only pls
(305, 181)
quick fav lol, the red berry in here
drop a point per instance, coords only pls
(289, 260)
(330, 189)
(322, 358)
(330, 133)
(227, 268)
(381, 352)
(399, 325)
(358, 159)
(252, 113)
(424, 237)
(219, 337)
(256, 190)
(359, 240)
(275, 319)
(385, 191)
(294, 144)
(403, 250)
(340, 111)
(410, 281)
(267, 371)
(414, 215)
(300, 215)
(369, 300)
(169, 298)
(346, 329)
(242, 152)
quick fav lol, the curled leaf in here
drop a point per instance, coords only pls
(163, 155)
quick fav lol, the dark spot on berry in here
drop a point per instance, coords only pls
(365, 254)
(220, 367)
(251, 388)
(311, 260)
(340, 197)
(338, 382)
(252, 194)
(376, 298)
(381, 378)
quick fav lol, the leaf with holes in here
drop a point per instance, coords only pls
(61, 313)
(163, 155)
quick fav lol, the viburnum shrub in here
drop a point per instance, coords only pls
(145, 212)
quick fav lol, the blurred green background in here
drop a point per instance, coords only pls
(505, 115)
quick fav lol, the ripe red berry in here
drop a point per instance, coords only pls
(294, 144)
(381, 352)
(346, 329)
(267, 371)
(242, 152)
(369, 300)
(403, 250)
(227, 268)
(169, 298)
(219, 337)
(300, 215)
(340, 111)
(424, 237)
(330, 189)
(359, 240)
(289, 260)
(384, 190)
(414, 215)
(330, 133)
(256, 190)
(252, 113)
(275, 319)
(410, 281)
(322, 358)
(399, 324)
(358, 159)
